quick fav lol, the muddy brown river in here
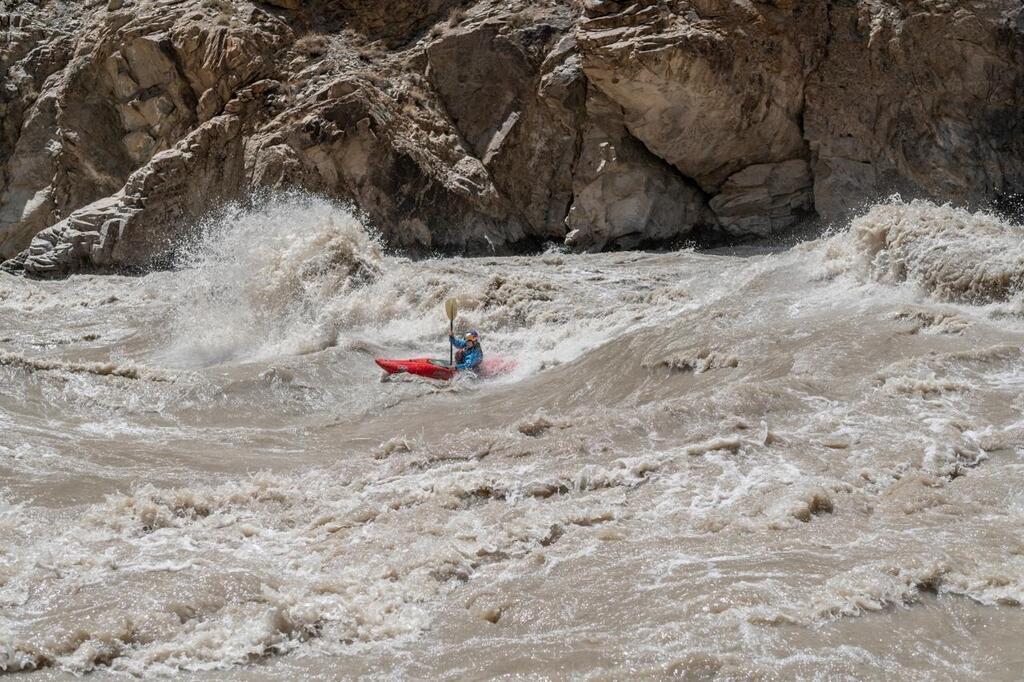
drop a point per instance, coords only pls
(802, 462)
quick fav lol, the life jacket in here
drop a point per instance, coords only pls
(460, 354)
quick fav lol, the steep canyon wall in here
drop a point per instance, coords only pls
(494, 127)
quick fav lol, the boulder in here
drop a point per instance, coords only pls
(764, 199)
(710, 87)
(623, 194)
(129, 228)
(140, 225)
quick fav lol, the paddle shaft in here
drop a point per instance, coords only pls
(451, 309)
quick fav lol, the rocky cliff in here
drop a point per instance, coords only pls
(485, 126)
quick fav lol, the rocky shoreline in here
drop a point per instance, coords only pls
(490, 127)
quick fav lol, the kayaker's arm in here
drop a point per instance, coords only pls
(458, 343)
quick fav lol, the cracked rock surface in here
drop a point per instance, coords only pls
(494, 127)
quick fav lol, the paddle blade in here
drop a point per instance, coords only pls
(451, 308)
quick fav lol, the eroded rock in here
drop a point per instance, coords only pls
(764, 199)
(711, 87)
(130, 91)
(484, 127)
(623, 194)
(922, 99)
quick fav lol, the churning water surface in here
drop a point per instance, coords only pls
(799, 464)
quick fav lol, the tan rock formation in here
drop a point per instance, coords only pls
(129, 93)
(486, 127)
(624, 195)
(880, 96)
(711, 87)
(924, 99)
(175, 185)
(765, 198)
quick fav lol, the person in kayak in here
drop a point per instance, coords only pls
(469, 355)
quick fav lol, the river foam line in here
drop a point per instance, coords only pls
(125, 371)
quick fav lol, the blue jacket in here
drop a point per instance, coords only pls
(472, 358)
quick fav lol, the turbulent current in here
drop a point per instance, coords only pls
(803, 462)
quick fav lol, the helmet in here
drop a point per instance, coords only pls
(472, 335)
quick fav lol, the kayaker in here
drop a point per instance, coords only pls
(469, 355)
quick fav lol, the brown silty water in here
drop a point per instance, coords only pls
(796, 464)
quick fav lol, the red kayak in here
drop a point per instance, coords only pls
(440, 369)
(424, 367)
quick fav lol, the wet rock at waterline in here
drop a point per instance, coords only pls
(494, 128)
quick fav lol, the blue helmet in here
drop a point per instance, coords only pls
(472, 335)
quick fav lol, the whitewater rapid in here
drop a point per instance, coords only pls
(799, 462)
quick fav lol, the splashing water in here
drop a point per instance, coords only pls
(952, 254)
(259, 282)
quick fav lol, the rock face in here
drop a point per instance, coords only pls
(518, 113)
(711, 87)
(764, 198)
(126, 229)
(924, 100)
(485, 127)
(134, 86)
(876, 96)
(624, 195)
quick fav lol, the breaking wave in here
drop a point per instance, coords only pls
(260, 281)
(951, 253)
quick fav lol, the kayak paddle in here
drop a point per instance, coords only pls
(451, 309)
